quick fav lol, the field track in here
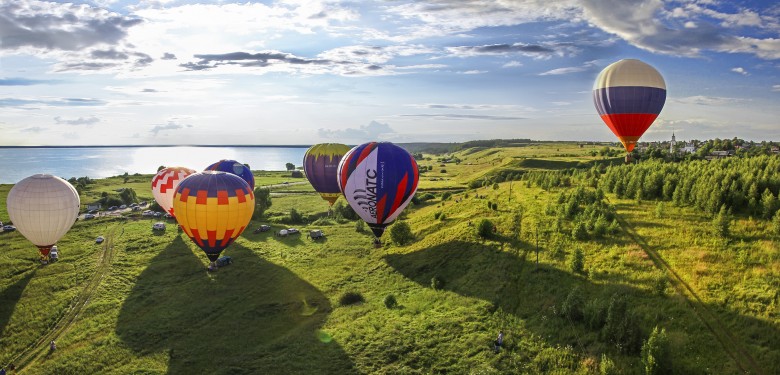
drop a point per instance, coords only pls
(41, 347)
(731, 345)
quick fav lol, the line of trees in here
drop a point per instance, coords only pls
(743, 185)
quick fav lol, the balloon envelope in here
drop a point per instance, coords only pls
(43, 208)
(213, 209)
(164, 185)
(236, 168)
(321, 165)
(629, 95)
(378, 180)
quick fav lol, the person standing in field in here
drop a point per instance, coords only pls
(499, 341)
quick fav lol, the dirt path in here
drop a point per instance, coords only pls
(41, 347)
(731, 345)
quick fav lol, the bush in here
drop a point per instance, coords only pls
(262, 201)
(721, 223)
(495, 186)
(295, 216)
(485, 228)
(360, 226)
(660, 282)
(776, 224)
(437, 283)
(443, 171)
(443, 217)
(579, 232)
(446, 196)
(401, 233)
(573, 305)
(607, 366)
(351, 298)
(494, 206)
(621, 327)
(656, 354)
(595, 313)
(578, 261)
(390, 301)
(436, 215)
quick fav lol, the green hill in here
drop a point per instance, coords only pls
(144, 302)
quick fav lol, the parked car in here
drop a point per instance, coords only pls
(158, 226)
(293, 231)
(282, 233)
(54, 254)
(168, 216)
(158, 214)
(316, 234)
(88, 216)
(263, 228)
(224, 261)
(8, 228)
(112, 208)
(143, 203)
(122, 207)
(147, 213)
(99, 239)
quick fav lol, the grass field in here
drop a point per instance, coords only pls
(277, 308)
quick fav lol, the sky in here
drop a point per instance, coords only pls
(152, 72)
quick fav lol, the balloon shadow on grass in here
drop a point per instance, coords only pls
(536, 293)
(250, 317)
(10, 296)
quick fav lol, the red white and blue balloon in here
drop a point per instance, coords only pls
(629, 95)
(378, 179)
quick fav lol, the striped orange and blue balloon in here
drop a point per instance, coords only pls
(213, 209)
(378, 179)
(321, 166)
(236, 168)
(629, 95)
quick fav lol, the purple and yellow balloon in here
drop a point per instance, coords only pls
(321, 166)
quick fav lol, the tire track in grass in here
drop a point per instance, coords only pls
(731, 345)
(40, 347)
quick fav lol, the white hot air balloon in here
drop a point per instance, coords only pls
(43, 208)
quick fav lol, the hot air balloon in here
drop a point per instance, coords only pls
(43, 208)
(321, 166)
(213, 208)
(378, 180)
(629, 95)
(236, 168)
(164, 185)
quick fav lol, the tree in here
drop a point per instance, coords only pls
(769, 204)
(517, 223)
(577, 263)
(656, 354)
(607, 366)
(485, 228)
(579, 232)
(401, 233)
(262, 201)
(290, 166)
(721, 223)
(573, 304)
(295, 216)
(776, 224)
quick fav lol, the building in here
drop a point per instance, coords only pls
(671, 145)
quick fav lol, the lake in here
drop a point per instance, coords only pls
(100, 162)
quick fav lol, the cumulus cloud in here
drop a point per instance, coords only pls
(531, 50)
(91, 120)
(168, 56)
(374, 130)
(55, 26)
(740, 70)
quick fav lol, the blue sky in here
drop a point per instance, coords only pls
(309, 71)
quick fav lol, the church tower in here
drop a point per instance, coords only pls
(671, 145)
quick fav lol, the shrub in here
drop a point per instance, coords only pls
(621, 327)
(295, 216)
(656, 354)
(485, 228)
(776, 224)
(573, 304)
(436, 215)
(578, 261)
(443, 217)
(262, 201)
(659, 210)
(443, 171)
(360, 226)
(401, 233)
(607, 366)
(595, 313)
(579, 231)
(660, 282)
(437, 283)
(446, 196)
(390, 301)
(721, 223)
(494, 206)
(495, 186)
(351, 298)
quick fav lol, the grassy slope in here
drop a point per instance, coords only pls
(276, 310)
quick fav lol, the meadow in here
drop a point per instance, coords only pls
(143, 302)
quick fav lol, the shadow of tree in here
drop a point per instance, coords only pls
(535, 294)
(251, 317)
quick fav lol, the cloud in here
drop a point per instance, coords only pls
(532, 50)
(17, 81)
(33, 129)
(707, 100)
(150, 90)
(512, 64)
(171, 125)
(55, 26)
(168, 56)
(78, 121)
(455, 116)
(55, 102)
(740, 70)
(374, 130)
(776, 88)
(587, 66)
(644, 24)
